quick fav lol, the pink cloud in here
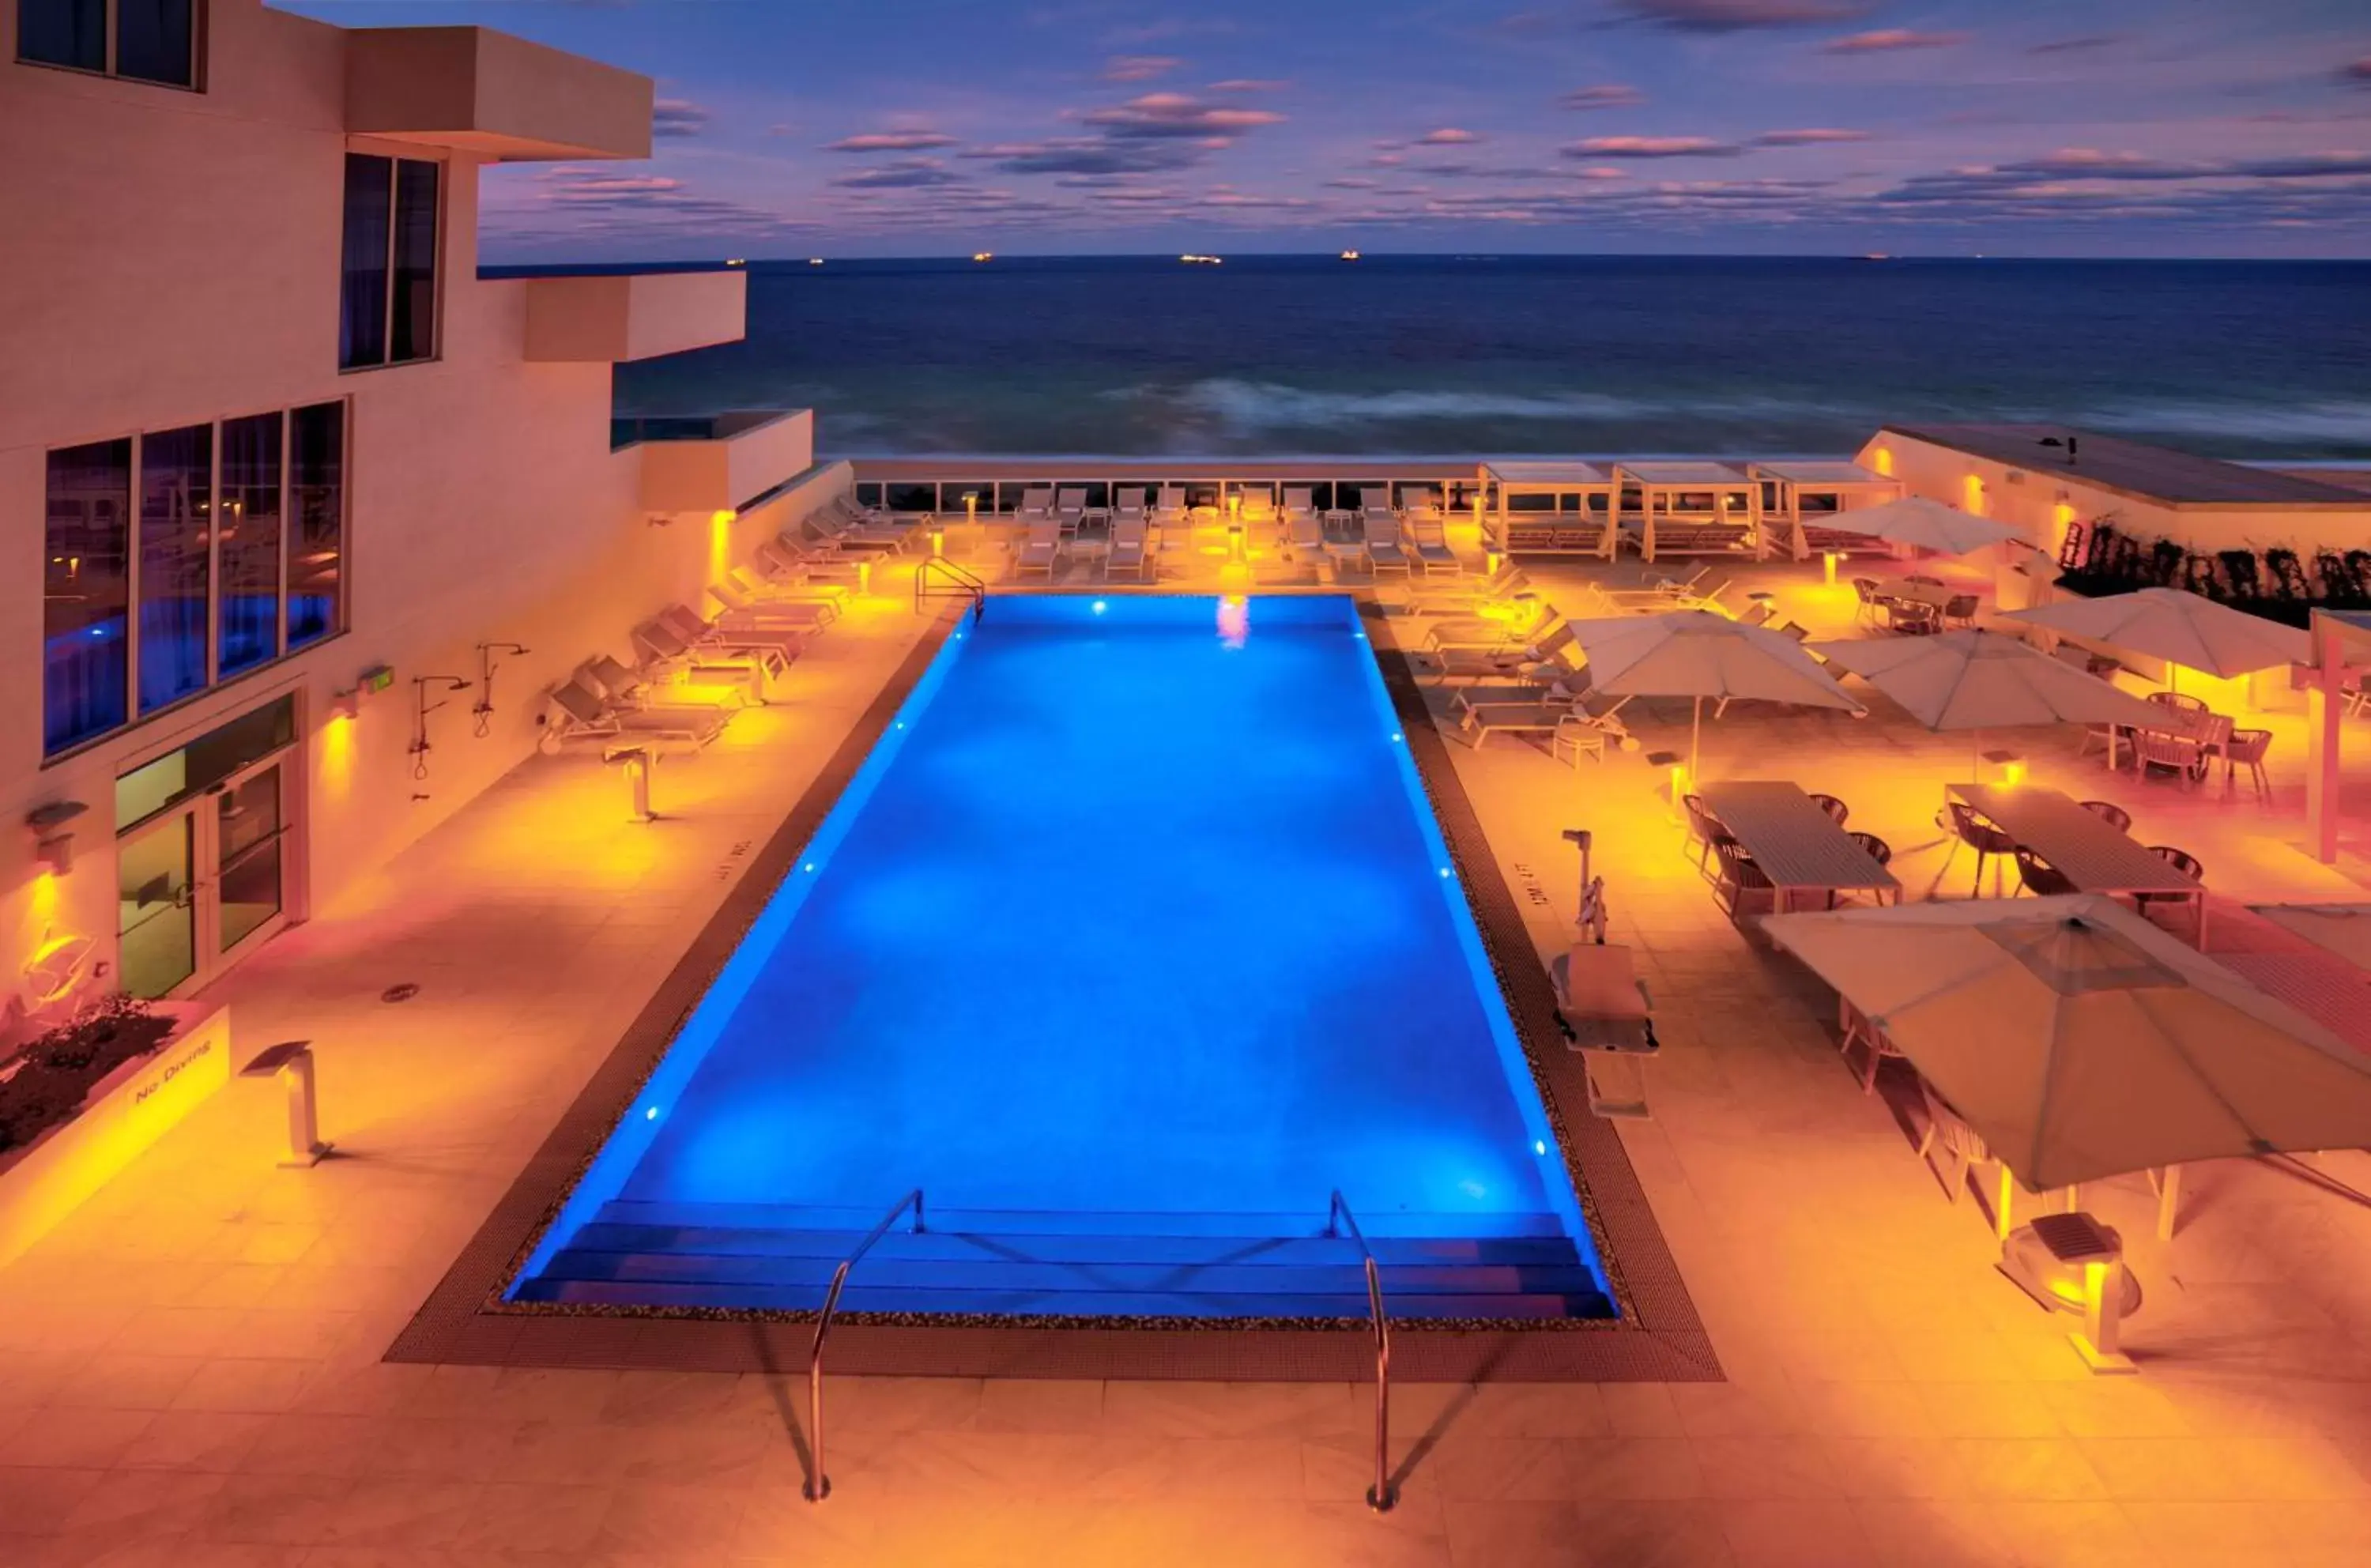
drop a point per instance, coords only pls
(1604, 95)
(1653, 147)
(1447, 136)
(1138, 67)
(1887, 40)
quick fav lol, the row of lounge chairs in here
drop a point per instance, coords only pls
(1377, 537)
(692, 672)
(1517, 670)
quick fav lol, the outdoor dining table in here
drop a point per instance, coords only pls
(1922, 590)
(2085, 849)
(1797, 845)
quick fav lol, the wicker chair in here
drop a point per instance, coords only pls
(2246, 748)
(1742, 888)
(1960, 610)
(1914, 617)
(2175, 754)
(2040, 878)
(1965, 826)
(1703, 827)
(2180, 701)
(1837, 811)
(2180, 860)
(2108, 811)
(1875, 849)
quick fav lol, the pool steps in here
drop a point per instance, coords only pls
(1506, 1265)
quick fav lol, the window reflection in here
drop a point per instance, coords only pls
(86, 593)
(247, 543)
(318, 493)
(176, 511)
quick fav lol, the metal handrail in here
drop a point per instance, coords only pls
(818, 1486)
(965, 582)
(1382, 1495)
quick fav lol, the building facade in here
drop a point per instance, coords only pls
(283, 481)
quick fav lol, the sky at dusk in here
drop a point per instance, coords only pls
(938, 127)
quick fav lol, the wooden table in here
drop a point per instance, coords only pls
(2085, 849)
(1798, 846)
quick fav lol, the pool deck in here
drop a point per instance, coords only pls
(191, 1367)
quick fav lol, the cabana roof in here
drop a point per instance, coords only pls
(1820, 474)
(1697, 475)
(1547, 476)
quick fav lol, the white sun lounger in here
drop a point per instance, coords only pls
(1041, 551)
(738, 607)
(1501, 664)
(1430, 539)
(1036, 505)
(579, 713)
(1127, 552)
(798, 560)
(622, 687)
(1070, 508)
(1567, 723)
(762, 589)
(1385, 550)
(1299, 503)
(697, 635)
(1490, 631)
(1462, 598)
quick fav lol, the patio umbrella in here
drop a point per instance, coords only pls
(1985, 680)
(1697, 654)
(2179, 627)
(1928, 524)
(2080, 1042)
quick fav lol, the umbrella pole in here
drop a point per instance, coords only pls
(1695, 737)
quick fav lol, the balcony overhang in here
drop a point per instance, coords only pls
(612, 320)
(479, 91)
(718, 461)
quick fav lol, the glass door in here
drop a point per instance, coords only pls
(243, 897)
(156, 926)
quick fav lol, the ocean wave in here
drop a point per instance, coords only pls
(2330, 421)
(1254, 406)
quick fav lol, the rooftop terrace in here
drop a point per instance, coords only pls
(2134, 468)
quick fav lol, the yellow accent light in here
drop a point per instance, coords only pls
(971, 508)
(338, 755)
(45, 897)
(1974, 489)
(1828, 560)
(1883, 460)
(719, 545)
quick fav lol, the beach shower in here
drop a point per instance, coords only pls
(421, 709)
(481, 712)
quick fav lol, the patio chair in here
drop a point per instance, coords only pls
(1741, 888)
(1128, 505)
(579, 713)
(1873, 602)
(1256, 504)
(1430, 539)
(2246, 748)
(2109, 811)
(1837, 811)
(1036, 505)
(1914, 618)
(2357, 699)
(1127, 552)
(1961, 821)
(1754, 614)
(1960, 609)
(1483, 720)
(1169, 506)
(855, 526)
(2214, 735)
(1859, 1026)
(1299, 502)
(2180, 860)
(2178, 755)
(2039, 877)
(1875, 849)
(1703, 827)
(1070, 508)
(2180, 701)
(1385, 550)
(1947, 1127)
(1041, 551)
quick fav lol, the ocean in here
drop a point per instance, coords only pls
(1532, 355)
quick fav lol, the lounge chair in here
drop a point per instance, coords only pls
(626, 688)
(1041, 551)
(1127, 552)
(1299, 502)
(854, 525)
(829, 528)
(1348, 555)
(1304, 535)
(1385, 550)
(1169, 507)
(1421, 501)
(1531, 617)
(1257, 504)
(1566, 724)
(1506, 663)
(1036, 505)
(738, 607)
(1682, 587)
(699, 636)
(1071, 509)
(793, 559)
(1429, 538)
(761, 588)
(1127, 505)
(1755, 615)
(579, 713)
(1462, 598)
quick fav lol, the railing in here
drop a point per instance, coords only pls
(1382, 1495)
(958, 579)
(818, 1486)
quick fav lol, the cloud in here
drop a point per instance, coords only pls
(891, 142)
(1813, 136)
(1250, 85)
(1160, 116)
(1604, 95)
(1651, 147)
(2084, 182)
(1088, 154)
(1447, 136)
(603, 199)
(2359, 72)
(1886, 40)
(2075, 45)
(1738, 15)
(901, 174)
(1138, 67)
(677, 116)
(1353, 182)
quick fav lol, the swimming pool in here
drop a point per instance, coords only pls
(1132, 941)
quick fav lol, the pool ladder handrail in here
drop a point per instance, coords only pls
(1382, 1495)
(818, 1486)
(963, 580)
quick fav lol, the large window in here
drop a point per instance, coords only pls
(146, 41)
(387, 312)
(178, 558)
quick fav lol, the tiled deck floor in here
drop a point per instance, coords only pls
(190, 1373)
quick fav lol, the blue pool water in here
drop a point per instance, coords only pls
(1136, 912)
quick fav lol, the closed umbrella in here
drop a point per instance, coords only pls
(1699, 654)
(2080, 1042)
(1928, 524)
(1985, 680)
(2178, 627)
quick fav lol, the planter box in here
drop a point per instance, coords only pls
(124, 1112)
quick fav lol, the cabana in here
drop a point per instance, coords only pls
(1691, 509)
(1550, 509)
(1803, 494)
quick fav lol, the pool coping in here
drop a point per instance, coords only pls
(1659, 1336)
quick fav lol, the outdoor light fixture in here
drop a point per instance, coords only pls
(2011, 765)
(52, 843)
(971, 512)
(1828, 560)
(2070, 1263)
(346, 704)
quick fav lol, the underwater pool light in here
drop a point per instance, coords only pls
(1539, 1146)
(1099, 606)
(651, 1114)
(809, 866)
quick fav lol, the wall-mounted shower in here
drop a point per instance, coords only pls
(482, 711)
(421, 709)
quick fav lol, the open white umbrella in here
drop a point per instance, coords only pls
(1985, 680)
(1699, 654)
(1928, 524)
(2080, 1042)
(2179, 627)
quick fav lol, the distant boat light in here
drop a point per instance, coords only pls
(1350, 255)
(814, 260)
(983, 255)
